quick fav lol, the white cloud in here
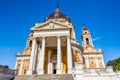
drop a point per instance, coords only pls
(96, 38)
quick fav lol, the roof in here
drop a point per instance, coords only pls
(84, 27)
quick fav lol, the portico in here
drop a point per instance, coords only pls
(51, 54)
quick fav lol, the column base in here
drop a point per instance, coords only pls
(70, 71)
(59, 71)
(41, 72)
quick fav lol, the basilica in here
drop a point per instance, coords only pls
(52, 48)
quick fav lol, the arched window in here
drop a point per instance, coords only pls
(30, 44)
(85, 32)
(87, 41)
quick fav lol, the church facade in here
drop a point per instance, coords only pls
(52, 48)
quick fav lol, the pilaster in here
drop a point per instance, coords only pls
(87, 62)
(49, 63)
(21, 67)
(97, 63)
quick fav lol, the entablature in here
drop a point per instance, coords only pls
(63, 32)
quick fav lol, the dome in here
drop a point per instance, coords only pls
(58, 15)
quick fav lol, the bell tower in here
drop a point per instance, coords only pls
(86, 37)
(93, 57)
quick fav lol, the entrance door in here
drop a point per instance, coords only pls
(54, 68)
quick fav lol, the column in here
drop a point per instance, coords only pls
(30, 70)
(102, 61)
(49, 63)
(21, 66)
(42, 56)
(69, 55)
(16, 63)
(59, 68)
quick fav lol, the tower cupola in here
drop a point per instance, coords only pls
(86, 37)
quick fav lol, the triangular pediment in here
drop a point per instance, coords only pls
(51, 24)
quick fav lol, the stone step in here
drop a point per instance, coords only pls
(45, 77)
(6, 77)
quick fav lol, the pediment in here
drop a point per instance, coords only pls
(51, 24)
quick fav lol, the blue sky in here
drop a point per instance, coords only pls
(102, 17)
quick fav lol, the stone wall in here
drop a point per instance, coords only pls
(6, 71)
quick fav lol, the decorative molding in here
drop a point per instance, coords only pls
(22, 58)
(22, 55)
(53, 29)
(50, 21)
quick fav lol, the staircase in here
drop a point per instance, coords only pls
(45, 77)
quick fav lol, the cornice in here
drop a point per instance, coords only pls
(51, 29)
(49, 21)
(22, 55)
(86, 53)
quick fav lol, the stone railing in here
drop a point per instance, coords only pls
(98, 50)
(108, 69)
(97, 70)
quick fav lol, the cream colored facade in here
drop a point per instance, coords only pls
(53, 49)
